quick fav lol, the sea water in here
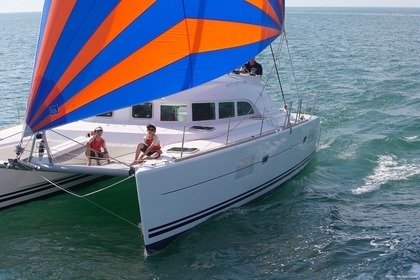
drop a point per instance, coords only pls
(353, 213)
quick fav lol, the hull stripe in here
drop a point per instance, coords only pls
(39, 188)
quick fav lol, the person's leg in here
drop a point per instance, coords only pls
(91, 154)
(100, 156)
(137, 158)
(138, 150)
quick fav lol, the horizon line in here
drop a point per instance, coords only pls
(293, 6)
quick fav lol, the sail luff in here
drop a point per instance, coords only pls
(57, 18)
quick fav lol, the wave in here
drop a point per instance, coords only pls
(388, 169)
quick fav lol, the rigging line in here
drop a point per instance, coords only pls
(278, 76)
(87, 199)
(268, 79)
(291, 62)
(279, 48)
(85, 195)
(68, 138)
(11, 135)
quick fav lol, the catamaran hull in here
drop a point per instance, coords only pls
(19, 186)
(179, 196)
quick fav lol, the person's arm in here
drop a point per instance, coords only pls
(104, 146)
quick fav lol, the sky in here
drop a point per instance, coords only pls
(36, 5)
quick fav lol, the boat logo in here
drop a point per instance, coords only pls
(54, 110)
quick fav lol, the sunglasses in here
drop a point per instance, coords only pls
(150, 129)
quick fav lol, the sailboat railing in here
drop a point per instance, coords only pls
(287, 119)
(228, 131)
(299, 110)
(262, 122)
(183, 142)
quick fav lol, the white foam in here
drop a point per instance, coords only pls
(324, 144)
(411, 138)
(388, 169)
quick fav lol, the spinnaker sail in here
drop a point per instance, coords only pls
(96, 56)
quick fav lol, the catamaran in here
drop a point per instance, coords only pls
(125, 64)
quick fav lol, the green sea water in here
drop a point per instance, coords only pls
(353, 213)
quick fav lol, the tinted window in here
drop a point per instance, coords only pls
(173, 112)
(107, 114)
(143, 111)
(226, 110)
(244, 108)
(203, 111)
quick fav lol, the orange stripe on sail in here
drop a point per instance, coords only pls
(265, 6)
(206, 35)
(175, 44)
(121, 17)
(60, 11)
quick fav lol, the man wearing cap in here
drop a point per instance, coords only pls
(150, 147)
(254, 68)
(94, 147)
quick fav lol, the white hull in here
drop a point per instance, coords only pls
(177, 197)
(19, 186)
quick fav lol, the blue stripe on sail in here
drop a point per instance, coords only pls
(46, 11)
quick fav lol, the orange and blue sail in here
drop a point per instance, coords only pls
(96, 56)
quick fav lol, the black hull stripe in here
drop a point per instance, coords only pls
(42, 187)
(153, 232)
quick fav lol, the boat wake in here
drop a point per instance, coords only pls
(388, 169)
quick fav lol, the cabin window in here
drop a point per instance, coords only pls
(226, 110)
(142, 111)
(203, 111)
(244, 108)
(107, 114)
(173, 112)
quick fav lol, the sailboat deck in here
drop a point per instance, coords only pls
(177, 142)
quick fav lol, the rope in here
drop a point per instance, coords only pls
(88, 194)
